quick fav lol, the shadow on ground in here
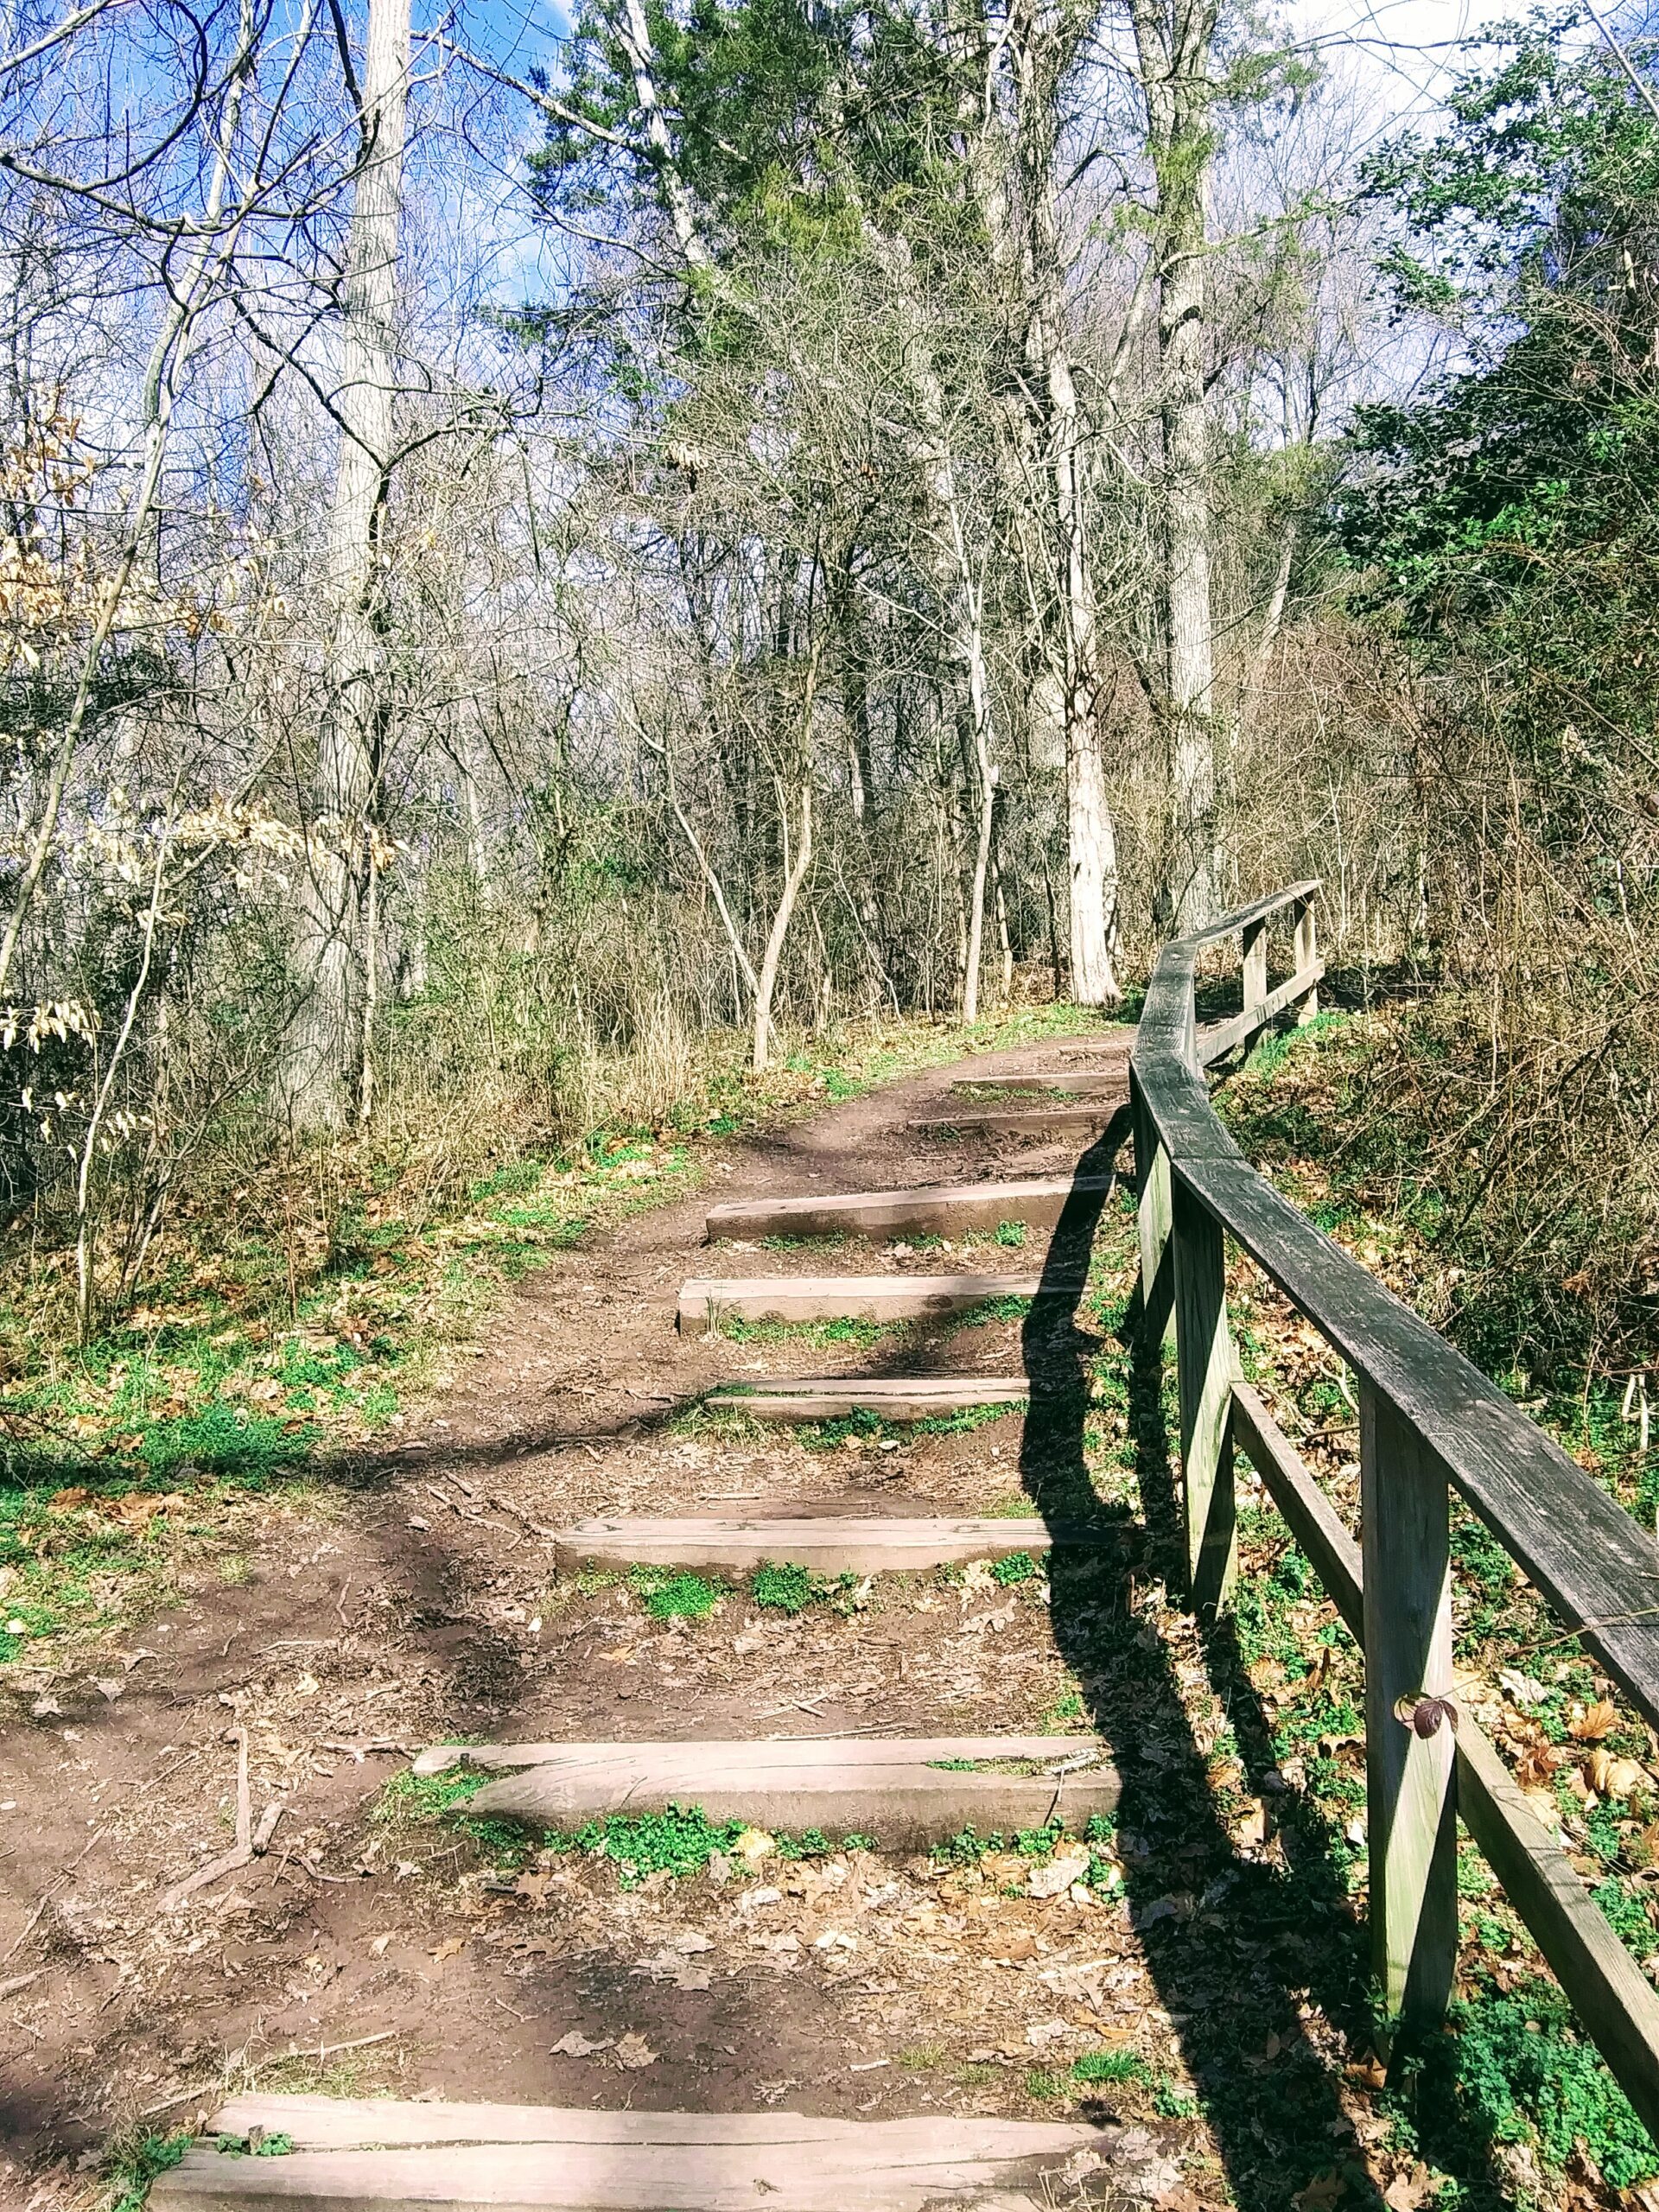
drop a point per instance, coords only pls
(1236, 1947)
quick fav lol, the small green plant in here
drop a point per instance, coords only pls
(1011, 1235)
(679, 1841)
(1044, 2085)
(1514, 2070)
(1014, 1567)
(1170, 2101)
(673, 1596)
(257, 2145)
(132, 2165)
(1626, 1914)
(788, 1588)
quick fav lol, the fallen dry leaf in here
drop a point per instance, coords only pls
(1598, 1720)
(1252, 1827)
(448, 1948)
(577, 2045)
(1324, 2191)
(633, 2052)
(1410, 2190)
(1050, 1881)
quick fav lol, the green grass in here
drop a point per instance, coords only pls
(844, 1330)
(411, 1796)
(1119, 2067)
(1008, 1308)
(680, 1842)
(864, 1425)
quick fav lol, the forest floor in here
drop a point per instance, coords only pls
(1203, 1985)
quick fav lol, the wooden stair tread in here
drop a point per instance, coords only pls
(899, 1789)
(1049, 1079)
(897, 1397)
(822, 1297)
(1037, 1201)
(830, 1544)
(349, 2153)
(1021, 1120)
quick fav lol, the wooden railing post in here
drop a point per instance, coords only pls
(1204, 1356)
(1255, 965)
(1152, 1221)
(1411, 1812)
(1307, 952)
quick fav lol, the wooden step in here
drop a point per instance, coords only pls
(1023, 1121)
(1056, 1079)
(915, 1397)
(705, 1299)
(935, 1208)
(350, 2154)
(900, 1790)
(863, 1544)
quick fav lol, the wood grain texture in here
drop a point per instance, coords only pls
(1152, 1227)
(933, 1208)
(1203, 1350)
(1411, 1821)
(1254, 963)
(861, 1544)
(349, 2153)
(908, 1793)
(1307, 956)
(895, 1397)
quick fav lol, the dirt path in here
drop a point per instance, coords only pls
(419, 1606)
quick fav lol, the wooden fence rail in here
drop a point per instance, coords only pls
(1429, 1423)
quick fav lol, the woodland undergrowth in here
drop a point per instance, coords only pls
(292, 1318)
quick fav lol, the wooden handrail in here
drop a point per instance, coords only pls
(1429, 1422)
(1597, 1568)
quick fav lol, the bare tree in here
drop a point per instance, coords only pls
(335, 949)
(1173, 42)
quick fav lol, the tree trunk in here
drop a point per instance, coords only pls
(1174, 42)
(324, 1054)
(1070, 627)
(794, 877)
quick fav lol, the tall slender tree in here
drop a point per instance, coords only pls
(327, 1055)
(1174, 42)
